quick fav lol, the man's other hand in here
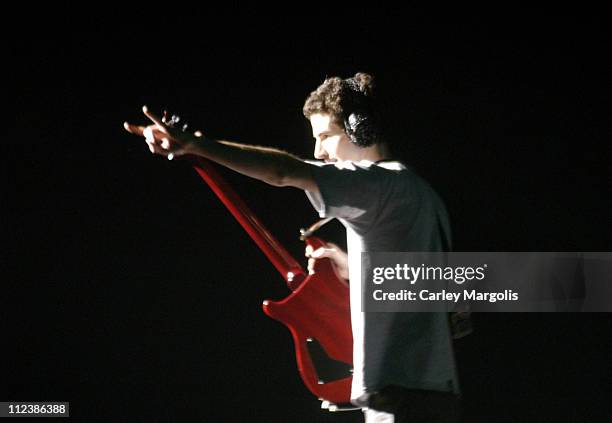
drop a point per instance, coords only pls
(338, 257)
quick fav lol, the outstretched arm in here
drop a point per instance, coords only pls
(269, 165)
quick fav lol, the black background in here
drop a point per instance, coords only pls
(130, 291)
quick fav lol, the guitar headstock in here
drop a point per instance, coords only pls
(172, 122)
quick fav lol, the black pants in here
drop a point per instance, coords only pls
(416, 406)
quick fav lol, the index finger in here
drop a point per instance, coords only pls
(134, 129)
(308, 250)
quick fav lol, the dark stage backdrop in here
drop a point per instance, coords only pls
(129, 290)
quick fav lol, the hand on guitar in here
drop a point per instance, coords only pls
(338, 257)
(163, 137)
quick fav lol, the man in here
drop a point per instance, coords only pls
(404, 368)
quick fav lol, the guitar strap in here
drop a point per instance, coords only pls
(305, 233)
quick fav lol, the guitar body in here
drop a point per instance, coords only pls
(318, 312)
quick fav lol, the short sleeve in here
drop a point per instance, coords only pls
(347, 190)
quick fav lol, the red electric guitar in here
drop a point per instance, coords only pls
(316, 312)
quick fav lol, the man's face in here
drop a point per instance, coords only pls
(331, 142)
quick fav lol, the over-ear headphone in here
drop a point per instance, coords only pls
(358, 127)
(359, 119)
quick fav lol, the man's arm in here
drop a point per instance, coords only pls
(269, 165)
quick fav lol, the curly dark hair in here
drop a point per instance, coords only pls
(340, 97)
(336, 95)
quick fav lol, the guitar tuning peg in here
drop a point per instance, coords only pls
(172, 120)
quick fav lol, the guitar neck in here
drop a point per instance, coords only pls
(287, 266)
